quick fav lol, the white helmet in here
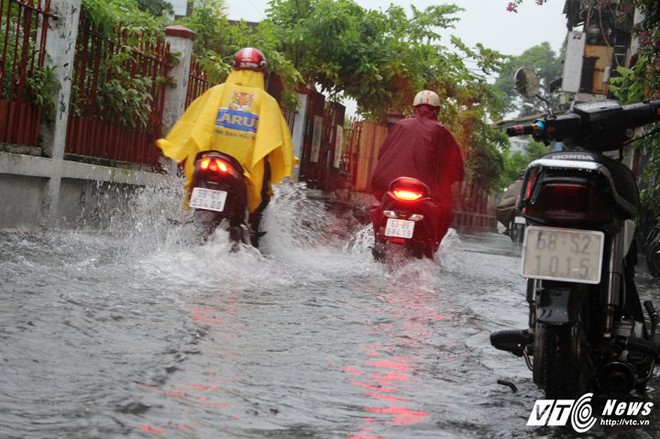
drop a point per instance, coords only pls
(426, 97)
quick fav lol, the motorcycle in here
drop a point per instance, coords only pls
(509, 216)
(653, 252)
(587, 330)
(405, 220)
(219, 193)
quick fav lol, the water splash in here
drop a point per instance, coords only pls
(361, 242)
(299, 248)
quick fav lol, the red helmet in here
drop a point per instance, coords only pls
(250, 59)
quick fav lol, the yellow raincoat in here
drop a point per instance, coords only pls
(226, 118)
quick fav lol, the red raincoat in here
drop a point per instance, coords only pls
(422, 148)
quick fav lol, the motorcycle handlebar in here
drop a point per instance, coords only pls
(633, 115)
(542, 129)
(642, 113)
(525, 130)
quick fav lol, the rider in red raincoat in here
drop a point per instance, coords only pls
(422, 148)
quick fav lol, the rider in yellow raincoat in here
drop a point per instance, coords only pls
(241, 119)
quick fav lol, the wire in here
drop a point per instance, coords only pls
(642, 137)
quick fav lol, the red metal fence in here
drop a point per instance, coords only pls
(197, 81)
(23, 29)
(104, 74)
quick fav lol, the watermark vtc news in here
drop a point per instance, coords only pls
(579, 413)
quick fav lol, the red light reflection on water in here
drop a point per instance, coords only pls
(149, 429)
(381, 380)
(396, 364)
(193, 395)
(190, 395)
(365, 434)
(389, 380)
(205, 315)
(401, 415)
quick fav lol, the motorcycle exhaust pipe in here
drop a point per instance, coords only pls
(511, 340)
(617, 378)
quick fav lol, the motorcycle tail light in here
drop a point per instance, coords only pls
(568, 202)
(408, 189)
(215, 165)
(408, 194)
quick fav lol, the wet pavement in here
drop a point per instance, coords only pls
(138, 330)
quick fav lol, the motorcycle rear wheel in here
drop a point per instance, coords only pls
(561, 359)
(653, 258)
(430, 249)
(207, 221)
(378, 252)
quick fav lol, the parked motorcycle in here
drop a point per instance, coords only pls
(509, 215)
(653, 252)
(406, 219)
(219, 194)
(587, 330)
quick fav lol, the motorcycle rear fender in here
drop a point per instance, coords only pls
(426, 207)
(618, 187)
(235, 186)
(557, 306)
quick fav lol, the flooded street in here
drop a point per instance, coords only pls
(140, 331)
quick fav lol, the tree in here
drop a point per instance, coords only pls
(545, 63)
(642, 81)
(218, 40)
(381, 59)
(121, 95)
(512, 6)
(157, 8)
(514, 164)
(108, 14)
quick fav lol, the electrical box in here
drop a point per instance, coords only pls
(572, 74)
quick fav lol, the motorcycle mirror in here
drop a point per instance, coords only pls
(527, 82)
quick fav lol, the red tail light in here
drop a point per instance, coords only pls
(214, 165)
(568, 202)
(408, 189)
(530, 184)
(408, 194)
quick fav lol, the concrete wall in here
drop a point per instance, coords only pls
(20, 200)
(87, 194)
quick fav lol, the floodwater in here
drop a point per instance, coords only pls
(137, 330)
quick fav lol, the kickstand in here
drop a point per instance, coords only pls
(509, 384)
(653, 314)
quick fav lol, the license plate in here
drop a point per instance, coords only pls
(399, 228)
(208, 199)
(563, 254)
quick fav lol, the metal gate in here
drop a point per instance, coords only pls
(23, 30)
